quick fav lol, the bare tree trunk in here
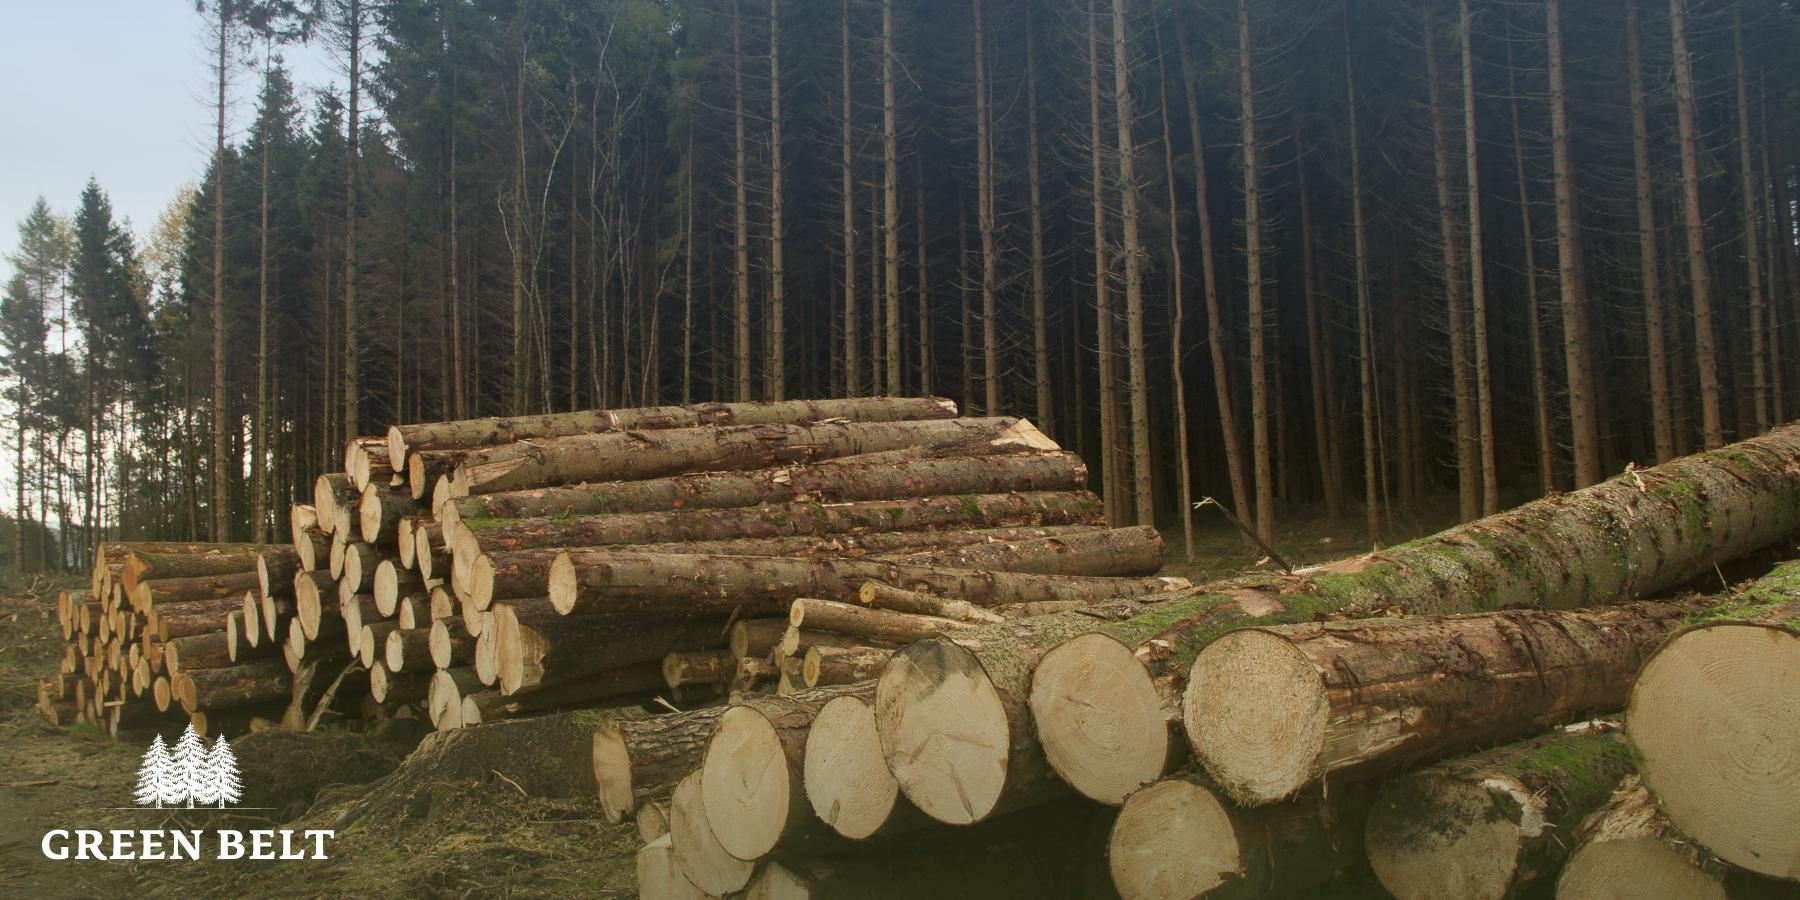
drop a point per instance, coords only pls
(687, 281)
(1177, 381)
(890, 154)
(1540, 380)
(775, 373)
(1484, 373)
(1259, 374)
(1662, 426)
(221, 513)
(1215, 328)
(984, 224)
(1705, 352)
(741, 236)
(1759, 358)
(924, 290)
(1324, 435)
(1468, 440)
(1577, 343)
(516, 401)
(852, 332)
(353, 141)
(968, 315)
(1103, 324)
(1040, 333)
(259, 431)
(459, 406)
(1365, 321)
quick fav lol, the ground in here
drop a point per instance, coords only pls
(404, 834)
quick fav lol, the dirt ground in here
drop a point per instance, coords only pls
(399, 833)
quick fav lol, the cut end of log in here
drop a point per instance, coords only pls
(944, 731)
(1437, 837)
(1099, 718)
(1255, 712)
(1025, 436)
(564, 589)
(1707, 717)
(481, 582)
(847, 779)
(393, 654)
(750, 784)
(1631, 869)
(378, 682)
(612, 772)
(660, 877)
(387, 588)
(1173, 839)
(396, 447)
(705, 862)
(440, 643)
(368, 514)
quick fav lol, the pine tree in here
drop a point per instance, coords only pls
(221, 766)
(154, 781)
(189, 769)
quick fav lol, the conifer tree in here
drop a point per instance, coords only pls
(156, 781)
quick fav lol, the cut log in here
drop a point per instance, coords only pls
(697, 850)
(373, 643)
(880, 596)
(1177, 838)
(536, 644)
(333, 493)
(451, 644)
(1628, 850)
(659, 876)
(493, 706)
(211, 650)
(176, 620)
(1120, 556)
(146, 565)
(387, 686)
(311, 545)
(754, 762)
(408, 650)
(443, 702)
(1105, 701)
(661, 584)
(640, 760)
(158, 591)
(1271, 710)
(406, 540)
(1494, 824)
(706, 667)
(366, 462)
(259, 681)
(274, 615)
(821, 666)
(1117, 551)
(391, 582)
(1712, 712)
(379, 510)
(315, 600)
(847, 780)
(861, 621)
(756, 637)
(360, 562)
(627, 455)
(275, 568)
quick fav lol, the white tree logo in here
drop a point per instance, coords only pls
(189, 774)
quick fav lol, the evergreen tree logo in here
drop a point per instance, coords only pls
(190, 774)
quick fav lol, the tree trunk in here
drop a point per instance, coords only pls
(1040, 320)
(1183, 465)
(641, 760)
(1662, 423)
(218, 472)
(1578, 347)
(890, 157)
(352, 398)
(1753, 274)
(1729, 674)
(847, 199)
(1632, 536)
(1260, 449)
(1484, 373)
(538, 645)
(1319, 358)
(1365, 316)
(1316, 704)
(775, 367)
(1111, 479)
(1468, 441)
(1700, 280)
(1631, 837)
(740, 308)
(985, 225)
(1489, 826)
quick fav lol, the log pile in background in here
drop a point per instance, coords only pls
(1262, 734)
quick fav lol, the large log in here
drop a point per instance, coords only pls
(391, 583)
(640, 760)
(666, 584)
(275, 568)
(535, 644)
(1713, 710)
(147, 564)
(1178, 838)
(169, 621)
(1106, 694)
(333, 497)
(847, 780)
(258, 681)
(1117, 551)
(659, 876)
(1271, 710)
(698, 852)
(153, 592)
(1628, 850)
(867, 477)
(622, 456)
(315, 601)
(1493, 825)
(469, 433)
(476, 536)
(379, 510)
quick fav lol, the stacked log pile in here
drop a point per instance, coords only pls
(1267, 733)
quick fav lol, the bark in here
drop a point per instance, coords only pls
(640, 760)
(536, 644)
(1753, 273)
(352, 398)
(1484, 373)
(1112, 483)
(985, 224)
(380, 510)
(1465, 682)
(650, 454)
(1119, 551)
(1492, 825)
(847, 200)
(332, 494)
(1040, 329)
(698, 667)
(1578, 345)
(775, 367)
(219, 472)
(1183, 465)
(825, 666)
(890, 180)
(885, 545)
(1661, 418)
(260, 681)
(155, 592)
(866, 622)
(1136, 364)
(740, 246)
(1630, 840)
(1699, 278)
(147, 565)
(1468, 462)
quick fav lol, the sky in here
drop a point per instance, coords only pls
(119, 90)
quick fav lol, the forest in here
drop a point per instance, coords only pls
(1327, 257)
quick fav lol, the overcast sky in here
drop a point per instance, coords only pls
(114, 89)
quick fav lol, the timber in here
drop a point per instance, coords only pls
(1629, 849)
(641, 760)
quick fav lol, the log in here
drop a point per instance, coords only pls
(258, 681)
(754, 764)
(664, 584)
(1271, 710)
(443, 701)
(1492, 825)
(451, 644)
(333, 494)
(158, 591)
(146, 565)
(1710, 710)
(496, 536)
(492, 706)
(390, 583)
(659, 876)
(641, 760)
(408, 650)
(274, 615)
(535, 644)
(211, 650)
(756, 637)
(698, 852)
(1116, 551)
(373, 643)
(1628, 849)
(312, 546)
(315, 600)
(366, 462)
(1178, 838)
(1107, 693)
(841, 665)
(469, 433)
(275, 568)
(176, 620)
(880, 596)
(379, 510)
(628, 455)
(864, 622)
(706, 667)
(846, 777)
(387, 686)
(360, 562)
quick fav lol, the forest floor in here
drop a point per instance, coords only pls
(432, 837)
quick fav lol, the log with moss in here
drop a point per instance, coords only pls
(1628, 849)
(464, 434)
(879, 476)
(1710, 714)
(1106, 693)
(1496, 824)
(887, 545)
(626, 455)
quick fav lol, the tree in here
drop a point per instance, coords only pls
(1578, 349)
(1484, 371)
(1260, 450)
(221, 767)
(189, 764)
(1649, 271)
(1699, 275)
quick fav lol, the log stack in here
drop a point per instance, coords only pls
(1266, 733)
